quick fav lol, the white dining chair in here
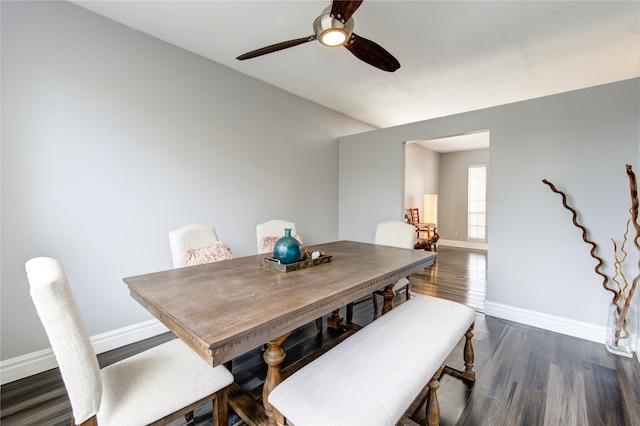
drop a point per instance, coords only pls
(152, 387)
(196, 244)
(394, 233)
(267, 233)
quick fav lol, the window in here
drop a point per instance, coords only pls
(477, 203)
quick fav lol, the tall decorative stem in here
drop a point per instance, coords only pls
(585, 238)
(624, 293)
(633, 190)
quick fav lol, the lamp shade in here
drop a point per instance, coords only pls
(430, 208)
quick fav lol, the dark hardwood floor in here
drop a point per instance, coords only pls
(525, 375)
(458, 274)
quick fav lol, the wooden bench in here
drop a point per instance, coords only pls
(375, 375)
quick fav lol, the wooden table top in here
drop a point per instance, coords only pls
(224, 309)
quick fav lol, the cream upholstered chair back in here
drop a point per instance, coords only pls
(269, 232)
(189, 237)
(157, 385)
(395, 233)
(69, 340)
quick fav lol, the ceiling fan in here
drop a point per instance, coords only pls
(334, 27)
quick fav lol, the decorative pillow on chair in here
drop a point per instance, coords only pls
(213, 253)
(267, 243)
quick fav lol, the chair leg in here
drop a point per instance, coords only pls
(349, 313)
(319, 325)
(375, 303)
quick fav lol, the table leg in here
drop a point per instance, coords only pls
(388, 295)
(335, 320)
(273, 356)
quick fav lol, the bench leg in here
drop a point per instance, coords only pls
(433, 407)
(468, 374)
(469, 356)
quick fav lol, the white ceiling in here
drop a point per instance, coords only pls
(466, 142)
(456, 56)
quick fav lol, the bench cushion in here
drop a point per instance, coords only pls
(374, 375)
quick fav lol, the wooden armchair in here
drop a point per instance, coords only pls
(426, 233)
(422, 228)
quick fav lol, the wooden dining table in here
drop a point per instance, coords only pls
(225, 309)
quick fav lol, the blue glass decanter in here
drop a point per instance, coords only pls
(287, 248)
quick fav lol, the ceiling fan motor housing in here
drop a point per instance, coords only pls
(326, 27)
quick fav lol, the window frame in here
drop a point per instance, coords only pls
(477, 202)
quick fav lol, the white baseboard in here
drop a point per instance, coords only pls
(582, 330)
(37, 362)
(464, 244)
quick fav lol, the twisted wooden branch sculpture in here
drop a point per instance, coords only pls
(622, 293)
(585, 238)
(621, 324)
(619, 261)
(633, 189)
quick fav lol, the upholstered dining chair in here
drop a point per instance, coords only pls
(393, 233)
(396, 233)
(196, 244)
(271, 231)
(267, 233)
(152, 387)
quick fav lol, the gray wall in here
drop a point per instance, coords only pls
(111, 138)
(452, 201)
(579, 140)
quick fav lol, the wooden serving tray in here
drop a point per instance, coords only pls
(273, 263)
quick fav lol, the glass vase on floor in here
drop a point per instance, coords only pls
(619, 333)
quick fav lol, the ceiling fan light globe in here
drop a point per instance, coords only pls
(333, 37)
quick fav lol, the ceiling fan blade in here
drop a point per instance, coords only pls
(342, 10)
(275, 47)
(372, 53)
